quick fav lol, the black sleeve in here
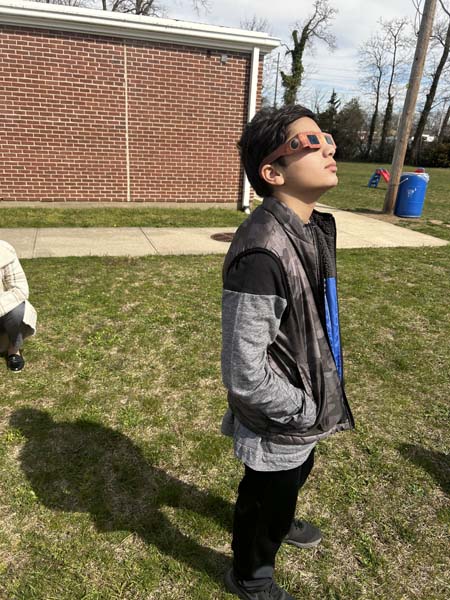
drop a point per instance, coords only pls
(257, 272)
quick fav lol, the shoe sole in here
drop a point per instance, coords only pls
(305, 545)
(233, 588)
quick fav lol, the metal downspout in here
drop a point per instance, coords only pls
(253, 88)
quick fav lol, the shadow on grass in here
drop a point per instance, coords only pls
(437, 464)
(84, 467)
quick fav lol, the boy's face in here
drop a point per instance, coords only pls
(307, 174)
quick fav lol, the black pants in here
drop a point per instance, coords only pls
(12, 324)
(264, 511)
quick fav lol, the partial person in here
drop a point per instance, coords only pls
(17, 315)
(281, 348)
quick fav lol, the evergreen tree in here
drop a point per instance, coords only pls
(327, 119)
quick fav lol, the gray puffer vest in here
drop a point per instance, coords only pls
(302, 351)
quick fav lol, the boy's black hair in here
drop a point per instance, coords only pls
(265, 132)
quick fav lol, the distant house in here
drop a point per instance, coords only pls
(427, 138)
(102, 106)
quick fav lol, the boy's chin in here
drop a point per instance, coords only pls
(333, 181)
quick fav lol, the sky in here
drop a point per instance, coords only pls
(355, 22)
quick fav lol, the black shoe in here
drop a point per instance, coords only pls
(303, 535)
(272, 592)
(15, 362)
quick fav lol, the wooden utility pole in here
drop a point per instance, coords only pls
(404, 128)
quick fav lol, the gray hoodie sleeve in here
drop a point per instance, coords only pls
(254, 299)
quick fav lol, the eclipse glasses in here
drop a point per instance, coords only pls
(304, 139)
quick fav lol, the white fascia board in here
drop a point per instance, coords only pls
(81, 20)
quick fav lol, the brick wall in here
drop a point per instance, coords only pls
(71, 130)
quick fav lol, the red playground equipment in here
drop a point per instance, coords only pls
(374, 180)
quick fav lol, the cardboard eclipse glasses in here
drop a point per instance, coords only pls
(304, 139)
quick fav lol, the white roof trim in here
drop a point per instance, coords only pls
(81, 20)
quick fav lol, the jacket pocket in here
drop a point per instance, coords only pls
(309, 412)
(285, 369)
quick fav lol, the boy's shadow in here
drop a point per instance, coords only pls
(85, 467)
(436, 463)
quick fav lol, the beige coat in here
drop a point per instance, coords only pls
(13, 289)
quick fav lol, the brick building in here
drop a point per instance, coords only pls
(102, 106)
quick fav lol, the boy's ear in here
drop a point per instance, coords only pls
(272, 175)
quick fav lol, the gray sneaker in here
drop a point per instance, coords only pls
(303, 534)
(272, 592)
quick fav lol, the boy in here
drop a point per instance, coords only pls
(281, 356)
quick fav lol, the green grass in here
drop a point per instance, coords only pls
(115, 482)
(119, 217)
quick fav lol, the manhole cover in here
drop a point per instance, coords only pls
(222, 237)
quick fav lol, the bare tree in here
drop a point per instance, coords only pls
(80, 3)
(395, 43)
(318, 100)
(256, 23)
(315, 27)
(444, 124)
(441, 35)
(270, 79)
(271, 60)
(373, 60)
(148, 7)
(137, 7)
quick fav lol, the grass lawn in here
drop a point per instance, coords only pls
(119, 217)
(115, 482)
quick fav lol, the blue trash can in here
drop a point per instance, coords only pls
(411, 194)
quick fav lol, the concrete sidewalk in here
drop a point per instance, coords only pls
(354, 231)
